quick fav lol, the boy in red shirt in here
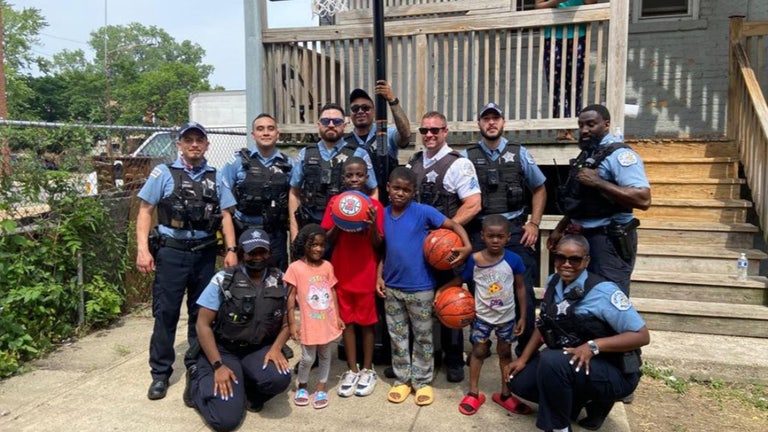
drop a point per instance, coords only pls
(354, 258)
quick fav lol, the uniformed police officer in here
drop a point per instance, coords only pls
(362, 112)
(317, 171)
(183, 249)
(254, 186)
(594, 337)
(242, 326)
(504, 169)
(605, 183)
(449, 183)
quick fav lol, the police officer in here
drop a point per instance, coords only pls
(362, 112)
(317, 171)
(183, 249)
(254, 186)
(593, 334)
(242, 326)
(504, 169)
(449, 183)
(605, 182)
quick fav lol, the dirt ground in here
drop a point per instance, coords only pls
(657, 407)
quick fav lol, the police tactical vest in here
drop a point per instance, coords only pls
(251, 313)
(378, 167)
(581, 202)
(430, 189)
(192, 205)
(323, 179)
(501, 181)
(264, 190)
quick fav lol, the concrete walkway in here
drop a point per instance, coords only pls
(99, 383)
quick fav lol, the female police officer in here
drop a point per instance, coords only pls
(593, 334)
(242, 327)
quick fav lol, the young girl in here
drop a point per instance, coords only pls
(311, 284)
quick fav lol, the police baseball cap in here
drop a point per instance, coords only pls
(357, 94)
(254, 238)
(192, 126)
(491, 107)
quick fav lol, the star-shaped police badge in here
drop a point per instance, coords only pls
(431, 176)
(508, 157)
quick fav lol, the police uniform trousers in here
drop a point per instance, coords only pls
(255, 385)
(278, 243)
(176, 272)
(606, 261)
(551, 381)
(530, 260)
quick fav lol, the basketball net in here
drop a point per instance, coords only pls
(324, 8)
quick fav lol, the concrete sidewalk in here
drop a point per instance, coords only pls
(99, 383)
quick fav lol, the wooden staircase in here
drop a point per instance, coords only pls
(689, 240)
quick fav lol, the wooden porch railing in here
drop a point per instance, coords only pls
(747, 109)
(450, 63)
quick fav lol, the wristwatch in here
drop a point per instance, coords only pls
(217, 364)
(593, 347)
(394, 102)
(232, 249)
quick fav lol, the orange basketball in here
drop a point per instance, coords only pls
(455, 307)
(438, 245)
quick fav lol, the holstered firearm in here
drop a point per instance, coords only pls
(620, 236)
(154, 242)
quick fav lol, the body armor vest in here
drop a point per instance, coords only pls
(430, 189)
(581, 202)
(501, 181)
(264, 191)
(382, 175)
(323, 179)
(251, 313)
(192, 205)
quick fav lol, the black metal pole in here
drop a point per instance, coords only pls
(380, 52)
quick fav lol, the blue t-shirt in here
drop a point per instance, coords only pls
(604, 301)
(559, 29)
(495, 287)
(160, 184)
(392, 147)
(404, 265)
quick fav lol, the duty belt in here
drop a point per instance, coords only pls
(190, 245)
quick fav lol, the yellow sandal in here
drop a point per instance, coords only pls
(399, 393)
(424, 396)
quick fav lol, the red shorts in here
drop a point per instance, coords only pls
(357, 308)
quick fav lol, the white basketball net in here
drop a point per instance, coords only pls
(323, 8)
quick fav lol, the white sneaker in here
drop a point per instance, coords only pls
(367, 382)
(348, 383)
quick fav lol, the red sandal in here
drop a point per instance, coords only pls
(512, 404)
(470, 404)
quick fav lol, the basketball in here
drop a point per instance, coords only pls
(350, 211)
(455, 307)
(438, 245)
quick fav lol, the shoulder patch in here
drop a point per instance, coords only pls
(467, 170)
(156, 172)
(620, 301)
(218, 278)
(626, 158)
(529, 158)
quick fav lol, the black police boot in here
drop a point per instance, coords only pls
(158, 388)
(187, 396)
(597, 412)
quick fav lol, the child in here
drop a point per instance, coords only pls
(410, 285)
(498, 277)
(354, 258)
(311, 283)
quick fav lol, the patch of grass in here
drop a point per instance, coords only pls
(679, 385)
(122, 350)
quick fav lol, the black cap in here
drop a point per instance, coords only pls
(357, 94)
(192, 126)
(254, 238)
(490, 107)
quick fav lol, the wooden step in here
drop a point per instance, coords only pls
(712, 234)
(702, 287)
(704, 317)
(704, 188)
(692, 168)
(694, 259)
(722, 210)
(682, 149)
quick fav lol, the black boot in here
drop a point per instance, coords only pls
(597, 412)
(187, 396)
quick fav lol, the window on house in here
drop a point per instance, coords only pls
(524, 5)
(665, 9)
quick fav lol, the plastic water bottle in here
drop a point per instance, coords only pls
(618, 133)
(742, 267)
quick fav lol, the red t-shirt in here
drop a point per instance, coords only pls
(354, 260)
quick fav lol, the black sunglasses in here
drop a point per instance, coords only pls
(357, 108)
(434, 130)
(325, 121)
(572, 260)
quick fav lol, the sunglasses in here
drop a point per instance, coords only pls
(572, 260)
(325, 121)
(434, 130)
(357, 108)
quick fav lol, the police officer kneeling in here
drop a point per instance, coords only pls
(593, 335)
(242, 326)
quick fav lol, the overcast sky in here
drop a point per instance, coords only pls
(217, 26)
